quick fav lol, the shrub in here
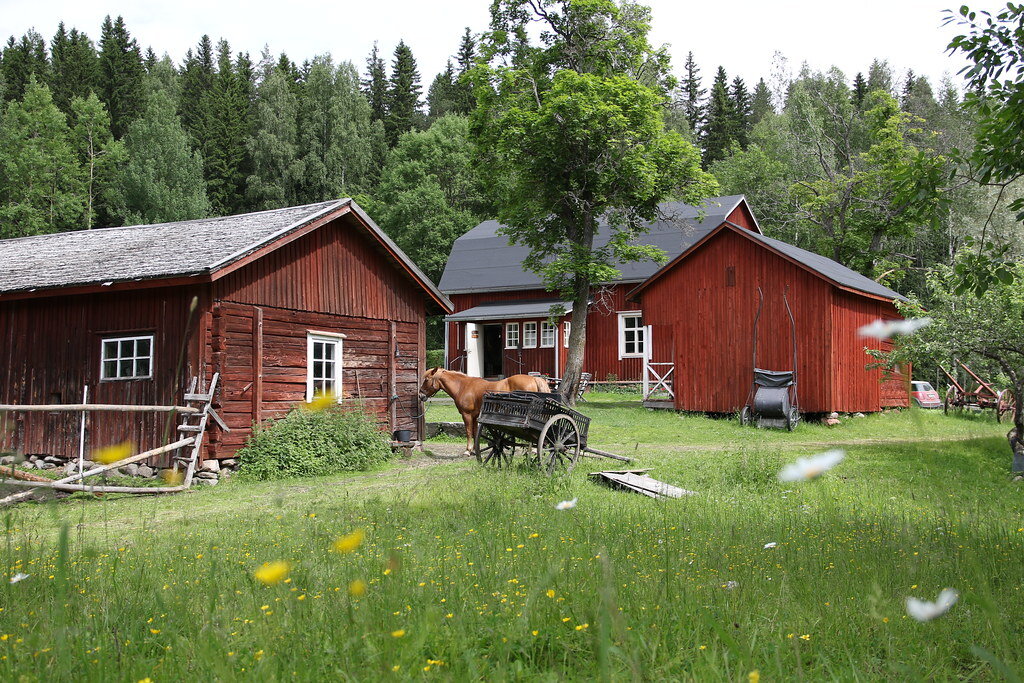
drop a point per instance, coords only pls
(435, 358)
(307, 443)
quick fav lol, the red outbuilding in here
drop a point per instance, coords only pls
(283, 304)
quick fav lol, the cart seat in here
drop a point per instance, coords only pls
(773, 378)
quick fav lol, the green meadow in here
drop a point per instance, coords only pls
(471, 573)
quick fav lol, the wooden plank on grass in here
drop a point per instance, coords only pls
(640, 482)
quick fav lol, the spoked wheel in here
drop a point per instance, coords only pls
(792, 418)
(494, 447)
(558, 446)
(745, 416)
(1004, 404)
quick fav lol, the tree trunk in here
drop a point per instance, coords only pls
(1016, 435)
(577, 339)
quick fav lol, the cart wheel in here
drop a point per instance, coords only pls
(558, 446)
(745, 416)
(498, 446)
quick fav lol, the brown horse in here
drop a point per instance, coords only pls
(468, 393)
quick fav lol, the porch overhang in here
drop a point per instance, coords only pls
(508, 310)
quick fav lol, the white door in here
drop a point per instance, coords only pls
(474, 350)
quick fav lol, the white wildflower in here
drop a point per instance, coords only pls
(566, 505)
(884, 329)
(770, 545)
(812, 467)
(19, 577)
(922, 610)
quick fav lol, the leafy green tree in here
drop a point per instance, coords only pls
(40, 178)
(22, 60)
(375, 85)
(75, 70)
(719, 132)
(100, 155)
(122, 75)
(403, 99)
(692, 93)
(273, 146)
(163, 178)
(567, 135)
(761, 105)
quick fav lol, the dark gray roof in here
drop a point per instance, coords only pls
(164, 250)
(830, 269)
(483, 260)
(504, 310)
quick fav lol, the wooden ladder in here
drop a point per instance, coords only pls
(194, 425)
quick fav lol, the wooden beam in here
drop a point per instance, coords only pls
(257, 364)
(393, 375)
(94, 407)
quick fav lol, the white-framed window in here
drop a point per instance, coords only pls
(323, 364)
(126, 357)
(566, 331)
(529, 335)
(548, 332)
(631, 335)
(511, 335)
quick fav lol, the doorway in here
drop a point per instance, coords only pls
(493, 351)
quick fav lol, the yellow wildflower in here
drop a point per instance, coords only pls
(172, 477)
(754, 676)
(396, 667)
(154, 631)
(349, 542)
(550, 593)
(272, 573)
(357, 588)
(112, 453)
(398, 634)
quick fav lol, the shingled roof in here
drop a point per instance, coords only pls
(165, 250)
(484, 261)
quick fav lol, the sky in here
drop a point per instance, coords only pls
(741, 35)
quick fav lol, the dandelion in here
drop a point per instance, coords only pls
(111, 454)
(398, 633)
(349, 542)
(154, 631)
(806, 636)
(396, 667)
(922, 610)
(534, 632)
(770, 545)
(810, 468)
(357, 588)
(550, 593)
(19, 577)
(566, 505)
(272, 573)
(754, 676)
(884, 329)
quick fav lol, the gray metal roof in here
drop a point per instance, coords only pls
(830, 269)
(483, 260)
(163, 250)
(503, 310)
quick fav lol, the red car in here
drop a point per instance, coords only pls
(924, 395)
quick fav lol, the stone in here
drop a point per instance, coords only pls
(207, 482)
(210, 466)
(858, 414)
(6, 459)
(1019, 477)
(71, 468)
(226, 474)
(146, 471)
(206, 474)
(432, 429)
(833, 416)
(131, 469)
(54, 459)
(229, 462)
(832, 421)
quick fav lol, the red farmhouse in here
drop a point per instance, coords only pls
(694, 315)
(281, 303)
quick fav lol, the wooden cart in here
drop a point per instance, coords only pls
(540, 426)
(983, 397)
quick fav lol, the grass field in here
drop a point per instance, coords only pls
(473, 573)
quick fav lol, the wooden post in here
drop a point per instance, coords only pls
(393, 375)
(81, 433)
(421, 361)
(257, 364)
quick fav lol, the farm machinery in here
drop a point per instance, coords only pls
(982, 397)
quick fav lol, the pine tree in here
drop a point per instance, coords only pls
(464, 99)
(860, 90)
(98, 152)
(908, 88)
(122, 75)
(150, 61)
(719, 131)
(273, 149)
(40, 178)
(880, 76)
(742, 111)
(375, 85)
(761, 106)
(21, 61)
(197, 79)
(693, 94)
(403, 101)
(163, 178)
(443, 94)
(228, 129)
(75, 67)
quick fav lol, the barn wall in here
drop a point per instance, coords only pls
(711, 324)
(742, 217)
(857, 388)
(50, 349)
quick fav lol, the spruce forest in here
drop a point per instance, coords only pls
(99, 133)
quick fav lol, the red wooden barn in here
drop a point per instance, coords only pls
(696, 313)
(281, 303)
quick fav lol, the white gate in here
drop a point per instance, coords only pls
(659, 378)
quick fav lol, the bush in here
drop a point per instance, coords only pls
(308, 443)
(435, 358)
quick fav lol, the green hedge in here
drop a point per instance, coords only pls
(307, 443)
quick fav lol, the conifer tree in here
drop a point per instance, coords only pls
(150, 60)
(75, 67)
(121, 75)
(163, 178)
(22, 60)
(908, 87)
(273, 149)
(860, 90)
(315, 132)
(403, 101)
(464, 100)
(40, 178)
(443, 94)
(197, 79)
(742, 111)
(98, 152)
(693, 93)
(719, 128)
(761, 106)
(375, 85)
(357, 141)
(880, 76)
(228, 129)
